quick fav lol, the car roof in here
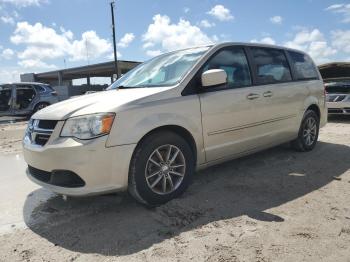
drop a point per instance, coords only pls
(219, 45)
(227, 44)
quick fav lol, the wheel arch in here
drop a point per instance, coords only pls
(41, 102)
(179, 130)
(315, 108)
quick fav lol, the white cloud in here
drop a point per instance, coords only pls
(153, 52)
(9, 75)
(43, 42)
(7, 53)
(91, 46)
(206, 24)
(34, 64)
(126, 40)
(171, 36)
(265, 40)
(335, 6)
(314, 43)
(7, 20)
(220, 12)
(342, 9)
(24, 3)
(276, 19)
(186, 10)
(148, 45)
(341, 40)
(111, 56)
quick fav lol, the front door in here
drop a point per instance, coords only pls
(230, 113)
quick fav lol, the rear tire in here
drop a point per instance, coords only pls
(161, 168)
(308, 132)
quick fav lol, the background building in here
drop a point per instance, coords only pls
(63, 80)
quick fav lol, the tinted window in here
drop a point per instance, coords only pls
(271, 65)
(303, 65)
(235, 64)
(40, 89)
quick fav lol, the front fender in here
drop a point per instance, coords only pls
(130, 126)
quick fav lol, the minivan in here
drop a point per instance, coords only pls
(25, 98)
(177, 113)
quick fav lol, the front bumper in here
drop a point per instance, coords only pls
(103, 169)
(336, 107)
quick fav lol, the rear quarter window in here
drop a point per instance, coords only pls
(303, 66)
(40, 89)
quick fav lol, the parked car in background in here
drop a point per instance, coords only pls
(173, 114)
(25, 98)
(338, 97)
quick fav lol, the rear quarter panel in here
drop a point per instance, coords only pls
(317, 97)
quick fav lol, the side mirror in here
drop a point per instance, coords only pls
(214, 77)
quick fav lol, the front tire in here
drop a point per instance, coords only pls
(308, 132)
(161, 168)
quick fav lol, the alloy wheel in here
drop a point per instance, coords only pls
(310, 131)
(165, 169)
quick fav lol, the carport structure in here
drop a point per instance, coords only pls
(339, 71)
(66, 76)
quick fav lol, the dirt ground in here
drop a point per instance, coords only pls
(277, 205)
(11, 135)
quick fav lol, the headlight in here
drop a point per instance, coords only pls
(88, 126)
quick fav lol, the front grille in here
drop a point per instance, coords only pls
(62, 178)
(336, 98)
(338, 89)
(40, 131)
(47, 124)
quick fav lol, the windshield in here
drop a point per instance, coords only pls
(164, 70)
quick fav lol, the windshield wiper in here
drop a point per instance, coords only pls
(126, 87)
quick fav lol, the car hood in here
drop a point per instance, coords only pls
(106, 101)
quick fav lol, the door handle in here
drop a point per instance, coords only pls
(268, 94)
(253, 96)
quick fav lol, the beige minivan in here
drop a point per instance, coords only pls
(174, 114)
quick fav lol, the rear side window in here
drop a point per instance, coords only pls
(303, 66)
(40, 89)
(234, 62)
(271, 65)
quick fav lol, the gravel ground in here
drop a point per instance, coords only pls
(277, 205)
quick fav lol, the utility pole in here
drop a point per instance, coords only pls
(114, 40)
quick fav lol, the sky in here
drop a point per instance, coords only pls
(43, 35)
